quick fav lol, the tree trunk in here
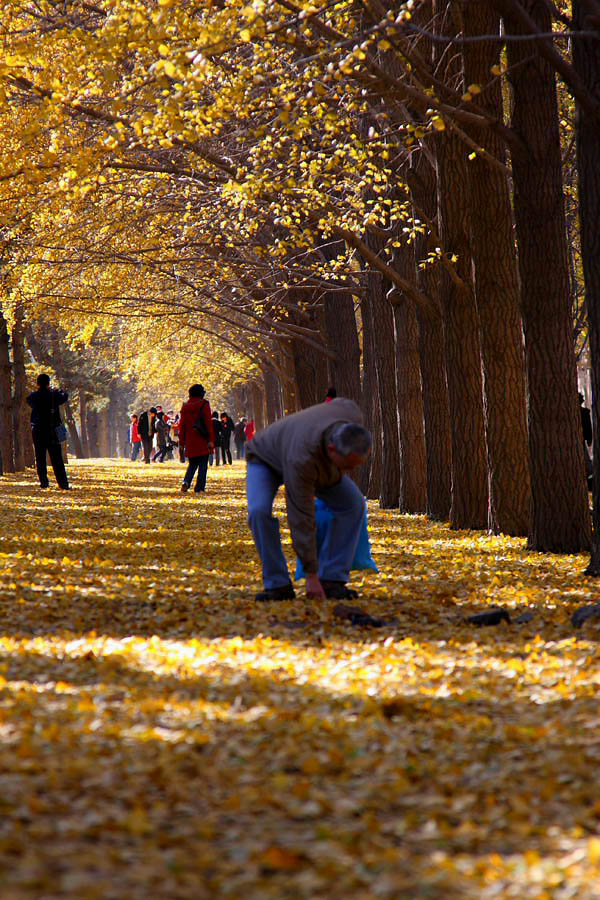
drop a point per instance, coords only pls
(103, 438)
(560, 517)
(385, 355)
(73, 433)
(413, 472)
(436, 409)
(92, 432)
(586, 59)
(497, 292)
(23, 445)
(83, 419)
(469, 507)
(272, 394)
(258, 406)
(289, 385)
(342, 337)
(6, 408)
(369, 475)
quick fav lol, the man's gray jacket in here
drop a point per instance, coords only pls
(295, 447)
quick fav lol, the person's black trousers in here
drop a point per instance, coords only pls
(201, 464)
(147, 445)
(44, 442)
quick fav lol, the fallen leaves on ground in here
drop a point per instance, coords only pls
(162, 735)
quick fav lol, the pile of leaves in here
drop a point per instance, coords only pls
(163, 735)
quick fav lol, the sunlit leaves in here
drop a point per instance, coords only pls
(160, 730)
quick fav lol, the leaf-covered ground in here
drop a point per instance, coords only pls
(163, 736)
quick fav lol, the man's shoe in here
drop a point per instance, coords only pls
(337, 590)
(65, 487)
(286, 592)
(44, 485)
(185, 487)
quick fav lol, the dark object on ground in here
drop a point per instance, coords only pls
(338, 590)
(526, 616)
(286, 592)
(493, 617)
(355, 615)
(581, 615)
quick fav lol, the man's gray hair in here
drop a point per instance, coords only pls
(350, 438)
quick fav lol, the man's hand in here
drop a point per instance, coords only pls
(314, 588)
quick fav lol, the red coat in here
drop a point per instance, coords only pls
(190, 439)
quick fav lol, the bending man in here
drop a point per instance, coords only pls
(308, 453)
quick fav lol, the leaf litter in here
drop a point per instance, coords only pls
(162, 733)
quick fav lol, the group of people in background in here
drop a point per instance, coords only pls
(157, 434)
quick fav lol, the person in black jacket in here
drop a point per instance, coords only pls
(147, 430)
(45, 416)
(218, 430)
(588, 437)
(228, 426)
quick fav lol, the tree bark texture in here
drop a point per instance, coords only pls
(257, 403)
(6, 410)
(72, 429)
(413, 468)
(459, 314)
(370, 474)
(289, 384)
(497, 292)
(23, 445)
(92, 432)
(436, 409)
(273, 402)
(385, 356)
(560, 519)
(83, 416)
(586, 59)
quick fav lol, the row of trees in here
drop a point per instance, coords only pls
(364, 194)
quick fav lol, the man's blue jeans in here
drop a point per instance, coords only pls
(347, 505)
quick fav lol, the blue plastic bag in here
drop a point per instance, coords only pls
(362, 557)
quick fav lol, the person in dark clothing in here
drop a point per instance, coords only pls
(162, 437)
(330, 395)
(218, 431)
(45, 416)
(146, 430)
(588, 436)
(239, 438)
(227, 425)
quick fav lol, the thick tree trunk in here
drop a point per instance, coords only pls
(6, 408)
(497, 292)
(436, 409)
(273, 402)
(103, 433)
(83, 420)
(289, 385)
(92, 432)
(385, 357)
(413, 471)
(586, 59)
(23, 445)
(257, 403)
(461, 329)
(560, 517)
(369, 476)
(342, 338)
(72, 429)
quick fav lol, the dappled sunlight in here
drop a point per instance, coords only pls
(151, 712)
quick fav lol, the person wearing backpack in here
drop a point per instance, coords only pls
(45, 417)
(196, 437)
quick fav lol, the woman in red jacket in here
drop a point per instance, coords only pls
(196, 437)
